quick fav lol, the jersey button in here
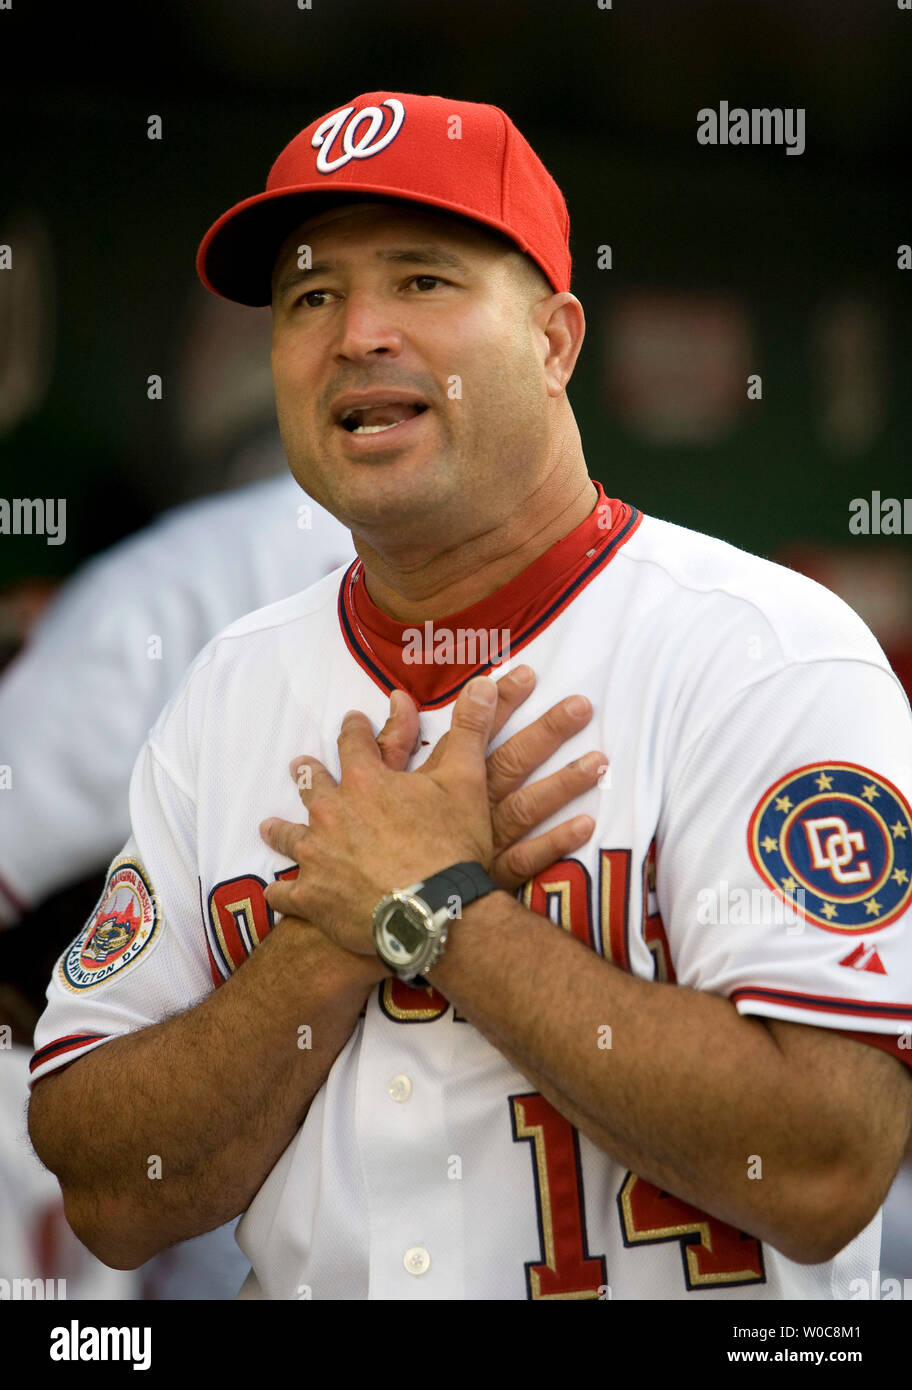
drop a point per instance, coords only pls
(400, 1088)
(417, 1260)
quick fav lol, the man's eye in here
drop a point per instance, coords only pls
(426, 282)
(314, 299)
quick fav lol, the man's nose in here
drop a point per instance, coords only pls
(367, 327)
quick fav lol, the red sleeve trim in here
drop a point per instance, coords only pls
(61, 1046)
(825, 1003)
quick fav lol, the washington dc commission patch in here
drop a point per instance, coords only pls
(843, 835)
(121, 927)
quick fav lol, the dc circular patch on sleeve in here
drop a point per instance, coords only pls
(123, 924)
(836, 838)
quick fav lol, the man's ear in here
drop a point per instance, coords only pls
(561, 321)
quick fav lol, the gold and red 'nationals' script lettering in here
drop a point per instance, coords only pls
(240, 917)
(653, 927)
(561, 893)
(408, 1004)
(614, 906)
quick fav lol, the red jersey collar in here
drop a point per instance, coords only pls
(434, 660)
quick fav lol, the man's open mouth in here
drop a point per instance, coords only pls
(372, 419)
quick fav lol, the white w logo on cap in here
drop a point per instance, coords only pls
(365, 145)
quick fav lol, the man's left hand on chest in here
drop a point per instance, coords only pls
(378, 828)
(383, 828)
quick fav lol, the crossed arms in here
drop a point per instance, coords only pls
(689, 1090)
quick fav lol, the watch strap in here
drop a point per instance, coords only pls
(466, 881)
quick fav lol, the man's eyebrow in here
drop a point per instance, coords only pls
(428, 255)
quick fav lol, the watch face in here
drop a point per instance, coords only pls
(400, 925)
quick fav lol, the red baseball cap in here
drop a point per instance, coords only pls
(460, 156)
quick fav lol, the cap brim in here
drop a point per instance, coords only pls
(237, 255)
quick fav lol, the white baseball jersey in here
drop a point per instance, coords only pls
(753, 839)
(77, 703)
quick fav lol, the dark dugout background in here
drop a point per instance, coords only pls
(725, 260)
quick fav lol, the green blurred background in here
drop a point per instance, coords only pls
(788, 264)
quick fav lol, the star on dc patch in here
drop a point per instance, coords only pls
(123, 924)
(841, 834)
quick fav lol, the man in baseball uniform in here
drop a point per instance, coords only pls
(662, 1054)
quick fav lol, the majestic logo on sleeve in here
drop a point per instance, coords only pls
(121, 927)
(843, 835)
